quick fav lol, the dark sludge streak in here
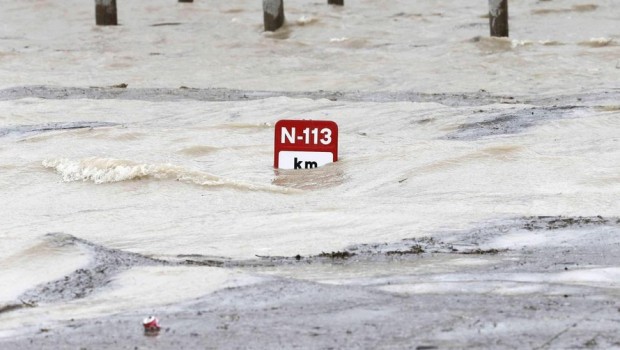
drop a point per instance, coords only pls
(54, 126)
(479, 98)
(510, 122)
(166, 24)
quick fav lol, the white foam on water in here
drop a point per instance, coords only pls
(597, 42)
(107, 170)
(305, 20)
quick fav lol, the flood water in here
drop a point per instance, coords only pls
(170, 174)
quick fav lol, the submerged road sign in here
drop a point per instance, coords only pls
(305, 144)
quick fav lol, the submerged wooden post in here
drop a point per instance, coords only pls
(273, 14)
(498, 17)
(336, 2)
(105, 12)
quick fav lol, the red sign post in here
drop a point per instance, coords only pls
(305, 144)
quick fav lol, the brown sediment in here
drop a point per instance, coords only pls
(598, 42)
(166, 24)
(415, 249)
(575, 8)
(584, 7)
(560, 222)
(213, 263)
(318, 178)
(10, 307)
(233, 10)
(198, 150)
(336, 255)
(609, 108)
(483, 251)
(15, 306)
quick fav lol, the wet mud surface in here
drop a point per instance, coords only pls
(124, 92)
(82, 282)
(511, 122)
(530, 282)
(55, 126)
(287, 314)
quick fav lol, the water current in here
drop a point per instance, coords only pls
(441, 128)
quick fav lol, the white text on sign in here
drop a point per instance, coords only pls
(308, 136)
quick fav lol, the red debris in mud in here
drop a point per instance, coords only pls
(151, 324)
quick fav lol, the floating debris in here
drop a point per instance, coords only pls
(151, 325)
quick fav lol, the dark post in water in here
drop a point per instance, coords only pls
(105, 12)
(336, 2)
(498, 17)
(273, 14)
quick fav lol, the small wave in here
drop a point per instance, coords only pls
(358, 43)
(198, 150)
(315, 179)
(517, 43)
(575, 8)
(493, 44)
(550, 43)
(609, 108)
(233, 10)
(109, 170)
(241, 126)
(597, 42)
(506, 44)
(282, 33)
(306, 20)
(163, 25)
(584, 7)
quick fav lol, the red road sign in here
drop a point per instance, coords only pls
(305, 144)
